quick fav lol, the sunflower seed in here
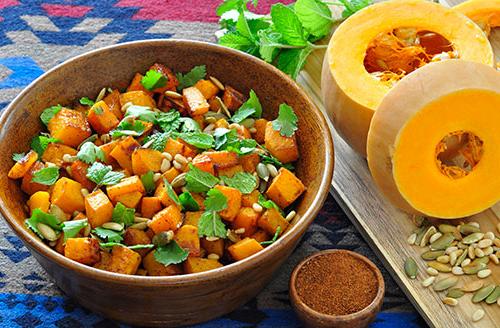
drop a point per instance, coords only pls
(435, 237)
(263, 171)
(47, 232)
(457, 271)
(472, 286)
(494, 296)
(470, 252)
(443, 259)
(488, 251)
(113, 226)
(455, 293)
(428, 281)
(179, 181)
(290, 215)
(477, 315)
(100, 95)
(411, 239)
(425, 239)
(213, 256)
(217, 83)
(454, 257)
(431, 271)
(461, 259)
(450, 301)
(138, 219)
(450, 250)
(489, 235)
(156, 176)
(431, 255)
(485, 243)
(165, 165)
(484, 273)
(467, 229)
(494, 258)
(441, 267)
(272, 170)
(411, 268)
(473, 238)
(167, 156)
(173, 94)
(177, 165)
(445, 283)
(257, 207)
(58, 212)
(479, 252)
(481, 294)
(140, 225)
(223, 107)
(446, 228)
(497, 241)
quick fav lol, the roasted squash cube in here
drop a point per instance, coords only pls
(70, 127)
(149, 206)
(249, 162)
(248, 200)
(101, 118)
(194, 101)
(244, 248)
(233, 196)
(67, 194)
(167, 219)
(139, 98)
(136, 85)
(79, 174)
(174, 147)
(169, 175)
(29, 186)
(98, 208)
(197, 264)
(260, 130)
(162, 194)
(172, 81)
(260, 235)
(247, 219)
(122, 153)
(55, 151)
(41, 200)
(155, 268)
(270, 220)
(232, 98)
(145, 159)
(223, 159)
(213, 246)
(285, 188)
(126, 186)
(192, 218)
(19, 169)
(137, 237)
(130, 200)
(83, 250)
(204, 163)
(283, 148)
(207, 88)
(187, 238)
(113, 101)
(124, 260)
(230, 171)
(107, 148)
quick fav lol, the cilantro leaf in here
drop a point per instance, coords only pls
(215, 201)
(89, 153)
(153, 80)
(243, 181)
(169, 121)
(267, 203)
(286, 122)
(291, 61)
(103, 175)
(352, 6)
(251, 107)
(211, 225)
(126, 128)
(72, 228)
(315, 16)
(147, 180)
(123, 214)
(159, 140)
(188, 203)
(142, 113)
(108, 234)
(189, 125)
(198, 139)
(275, 237)
(38, 216)
(171, 253)
(136, 247)
(170, 192)
(40, 143)
(46, 176)
(224, 138)
(288, 24)
(270, 159)
(86, 101)
(243, 147)
(16, 157)
(49, 113)
(198, 180)
(189, 79)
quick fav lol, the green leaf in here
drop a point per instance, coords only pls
(288, 24)
(352, 6)
(111, 178)
(89, 153)
(142, 113)
(198, 139)
(108, 234)
(135, 247)
(171, 253)
(270, 159)
(198, 180)
(46, 176)
(251, 107)
(211, 225)
(228, 5)
(224, 138)
(286, 122)
(267, 203)
(153, 80)
(291, 61)
(275, 237)
(243, 181)
(103, 175)
(169, 121)
(86, 101)
(270, 44)
(190, 78)
(126, 128)
(315, 16)
(215, 201)
(242, 27)
(16, 157)
(40, 143)
(123, 214)
(49, 113)
(188, 203)
(38, 216)
(189, 125)
(148, 181)
(159, 141)
(72, 228)
(239, 42)
(170, 192)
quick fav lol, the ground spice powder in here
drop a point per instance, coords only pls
(336, 284)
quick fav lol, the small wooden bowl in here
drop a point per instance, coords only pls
(312, 318)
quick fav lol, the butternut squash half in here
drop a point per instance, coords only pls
(375, 48)
(485, 13)
(433, 145)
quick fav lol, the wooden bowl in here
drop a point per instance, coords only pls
(172, 300)
(312, 318)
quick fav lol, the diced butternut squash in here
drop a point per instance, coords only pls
(21, 167)
(107, 148)
(167, 219)
(155, 268)
(199, 199)
(223, 159)
(260, 235)
(232, 98)
(113, 101)
(248, 200)
(101, 118)
(105, 261)
(230, 171)
(60, 244)
(271, 220)
(204, 163)
(29, 186)
(243, 132)
(197, 264)
(192, 218)
(131, 200)
(213, 246)
(244, 248)
(285, 188)
(139, 98)
(194, 101)
(207, 88)
(149, 206)
(260, 130)
(79, 174)
(98, 208)
(137, 237)
(187, 238)
(122, 153)
(67, 194)
(123, 260)
(126, 186)
(283, 148)
(55, 151)
(188, 150)
(246, 219)
(145, 159)
(172, 81)
(41, 200)
(136, 85)
(83, 250)
(162, 194)
(70, 127)
(233, 196)
(214, 104)
(249, 162)
(170, 175)
(174, 147)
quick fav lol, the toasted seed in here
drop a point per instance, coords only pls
(411, 239)
(177, 165)
(473, 238)
(473, 268)
(441, 267)
(443, 259)
(263, 171)
(481, 294)
(212, 238)
(257, 208)
(113, 226)
(420, 233)
(87, 230)
(472, 286)
(488, 251)
(179, 180)
(427, 235)
(272, 170)
(411, 268)
(462, 245)
(489, 235)
(180, 159)
(478, 252)
(450, 250)
(138, 219)
(457, 271)
(494, 296)
(428, 281)
(223, 107)
(239, 231)
(471, 253)
(431, 271)
(163, 238)
(47, 232)
(173, 94)
(494, 258)
(443, 242)
(446, 228)
(431, 255)
(462, 258)
(290, 215)
(167, 156)
(435, 237)
(213, 256)
(209, 128)
(445, 283)
(450, 301)
(217, 83)
(69, 158)
(140, 225)
(165, 165)
(454, 257)
(477, 315)
(156, 176)
(485, 243)
(467, 229)
(455, 293)
(484, 273)
(58, 212)
(101, 95)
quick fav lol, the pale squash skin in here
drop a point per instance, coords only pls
(351, 95)
(481, 11)
(433, 101)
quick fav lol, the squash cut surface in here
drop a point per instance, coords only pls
(485, 13)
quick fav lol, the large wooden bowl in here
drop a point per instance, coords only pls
(174, 300)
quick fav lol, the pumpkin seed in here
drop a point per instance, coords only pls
(454, 256)
(443, 242)
(272, 170)
(47, 232)
(473, 268)
(217, 83)
(435, 237)
(420, 234)
(461, 258)
(484, 273)
(483, 260)
(57, 212)
(411, 239)
(427, 235)
(473, 238)
(262, 171)
(172, 94)
(113, 226)
(482, 293)
(446, 228)
(462, 245)
(472, 286)
(455, 293)
(163, 238)
(494, 296)
(223, 107)
(140, 225)
(477, 315)
(467, 229)
(428, 281)
(450, 301)
(431, 271)
(445, 283)
(418, 221)
(441, 267)
(179, 180)
(431, 255)
(411, 268)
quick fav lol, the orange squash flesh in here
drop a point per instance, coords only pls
(350, 93)
(405, 148)
(485, 13)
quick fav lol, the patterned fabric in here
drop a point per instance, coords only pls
(35, 35)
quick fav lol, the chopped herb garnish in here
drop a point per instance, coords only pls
(286, 122)
(40, 143)
(198, 139)
(89, 153)
(123, 214)
(49, 113)
(103, 175)
(250, 108)
(38, 216)
(171, 253)
(243, 181)
(16, 157)
(126, 128)
(270, 159)
(275, 237)
(188, 203)
(170, 192)
(142, 113)
(46, 176)
(72, 228)
(169, 121)
(86, 101)
(108, 234)
(148, 181)
(189, 79)
(153, 80)
(210, 224)
(198, 180)
(267, 203)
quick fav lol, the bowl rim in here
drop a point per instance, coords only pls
(369, 309)
(193, 278)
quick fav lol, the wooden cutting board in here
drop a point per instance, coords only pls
(386, 229)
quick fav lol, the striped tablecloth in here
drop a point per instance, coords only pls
(35, 35)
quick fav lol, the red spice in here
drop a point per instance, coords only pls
(336, 284)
